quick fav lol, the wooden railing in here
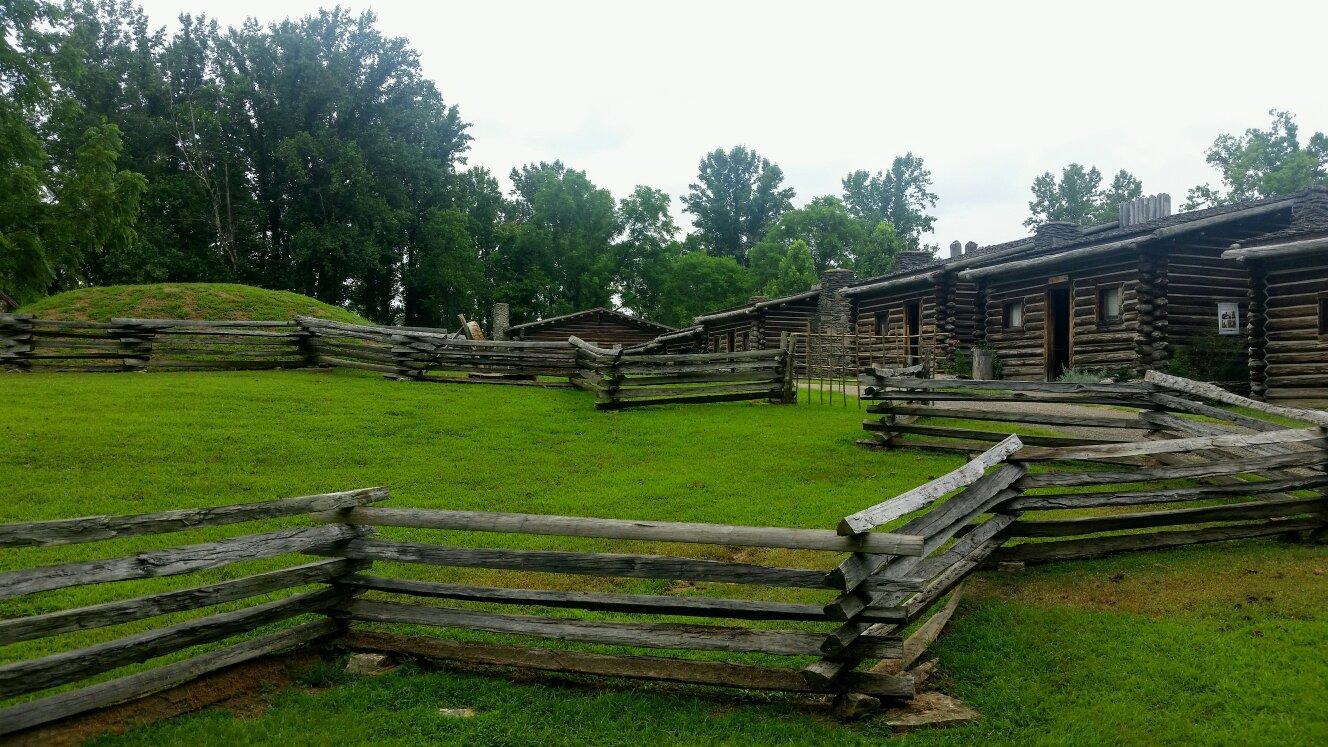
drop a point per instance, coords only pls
(620, 380)
(29, 344)
(344, 536)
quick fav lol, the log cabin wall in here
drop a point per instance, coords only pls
(734, 334)
(791, 317)
(881, 316)
(1095, 341)
(1294, 349)
(598, 326)
(1197, 280)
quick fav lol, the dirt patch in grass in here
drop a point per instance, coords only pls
(239, 689)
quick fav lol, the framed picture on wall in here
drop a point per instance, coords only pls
(1228, 318)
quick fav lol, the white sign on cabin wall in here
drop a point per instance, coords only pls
(1228, 318)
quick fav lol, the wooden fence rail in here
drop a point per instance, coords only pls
(621, 380)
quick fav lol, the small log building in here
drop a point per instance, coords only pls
(599, 326)
(760, 323)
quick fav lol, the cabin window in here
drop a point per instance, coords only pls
(882, 324)
(1323, 314)
(1109, 304)
(732, 341)
(1012, 315)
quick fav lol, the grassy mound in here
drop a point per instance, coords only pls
(184, 301)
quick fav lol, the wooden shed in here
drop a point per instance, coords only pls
(600, 326)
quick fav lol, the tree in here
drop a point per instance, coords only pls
(877, 256)
(648, 248)
(1263, 163)
(698, 283)
(900, 196)
(558, 254)
(444, 275)
(1078, 196)
(735, 200)
(832, 235)
(796, 272)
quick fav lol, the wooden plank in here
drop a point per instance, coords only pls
(1217, 394)
(1171, 446)
(53, 708)
(651, 604)
(1151, 474)
(630, 529)
(1052, 387)
(1007, 416)
(712, 673)
(70, 666)
(929, 493)
(1175, 517)
(1093, 547)
(173, 561)
(917, 644)
(17, 629)
(691, 399)
(582, 563)
(1053, 501)
(1093, 399)
(645, 635)
(94, 528)
(1198, 408)
(980, 435)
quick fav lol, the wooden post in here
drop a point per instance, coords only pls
(16, 341)
(1257, 330)
(307, 345)
(135, 343)
(984, 364)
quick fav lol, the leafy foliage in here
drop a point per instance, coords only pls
(735, 200)
(1263, 163)
(1078, 197)
(900, 197)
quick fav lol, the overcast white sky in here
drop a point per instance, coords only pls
(989, 93)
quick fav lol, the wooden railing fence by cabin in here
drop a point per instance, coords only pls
(622, 379)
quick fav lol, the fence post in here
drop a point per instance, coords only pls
(16, 341)
(306, 345)
(135, 343)
(788, 392)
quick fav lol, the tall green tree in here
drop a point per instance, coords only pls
(877, 255)
(558, 254)
(1078, 196)
(698, 283)
(735, 200)
(901, 196)
(796, 272)
(648, 248)
(831, 234)
(1263, 163)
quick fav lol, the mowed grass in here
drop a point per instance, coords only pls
(1223, 644)
(184, 301)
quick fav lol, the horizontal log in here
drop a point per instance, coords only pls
(94, 528)
(659, 531)
(173, 561)
(70, 666)
(1172, 446)
(645, 635)
(649, 604)
(1217, 394)
(980, 435)
(589, 564)
(55, 707)
(711, 673)
(1206, 469)
(1236, 488)
(1094, 547)
(1175, 517)
(1077, 399)
(1007, 416)
(326, 360)
(1053, 387)
(122, 611)
(925, 495)
(618, 404)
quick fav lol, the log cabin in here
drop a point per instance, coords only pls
(760, 323)
(599, 326)
(1287, 312)
(1126, 296)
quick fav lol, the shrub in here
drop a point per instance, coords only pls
(1210, 357)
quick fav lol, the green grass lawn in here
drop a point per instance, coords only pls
(1219, 644)
(184, 301)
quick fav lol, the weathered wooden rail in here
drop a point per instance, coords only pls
(620, 379)
(343, 534)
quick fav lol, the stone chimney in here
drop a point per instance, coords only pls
(833, 309)
(970, 247)
(913, 259)
(1055, 232)
(956, 250)
(502, 319)
(1144, 209)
